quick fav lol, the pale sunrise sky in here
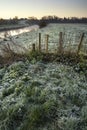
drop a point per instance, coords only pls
(39, 8)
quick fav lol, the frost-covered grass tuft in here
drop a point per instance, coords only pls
(43, 96)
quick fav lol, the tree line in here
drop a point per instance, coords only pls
(9, 21)
(46, 19)
(55, 19)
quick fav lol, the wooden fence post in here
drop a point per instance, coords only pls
(47, 38)
(80, 43)
(33, 47)
(60, 49)
(39, 42)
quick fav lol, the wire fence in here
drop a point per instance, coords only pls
(50, 42)
(70, 42)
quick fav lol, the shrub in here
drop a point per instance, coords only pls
(34, 56)
(42, 24)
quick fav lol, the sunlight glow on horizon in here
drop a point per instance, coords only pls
(40, 8)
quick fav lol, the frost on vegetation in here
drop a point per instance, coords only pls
(42, 96)
(84, 113)
(71, 36)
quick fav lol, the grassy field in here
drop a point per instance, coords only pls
(39, 95)
(71, 36)
(40, 91)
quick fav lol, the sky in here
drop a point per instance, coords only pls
(40, 8)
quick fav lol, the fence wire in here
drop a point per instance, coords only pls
(70, 42)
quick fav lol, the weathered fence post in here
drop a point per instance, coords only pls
(47, 38)
(80, 43)
(60, 48)
(39, 42)
(33, 47)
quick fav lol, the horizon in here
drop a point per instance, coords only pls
(40, 8)
(41, 17)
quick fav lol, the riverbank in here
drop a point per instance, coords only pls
(12, 27)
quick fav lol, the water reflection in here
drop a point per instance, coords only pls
(18, 31)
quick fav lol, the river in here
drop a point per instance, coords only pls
(14, 32)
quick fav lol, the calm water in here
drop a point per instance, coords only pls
(18, 31)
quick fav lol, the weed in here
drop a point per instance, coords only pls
(7, 92)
